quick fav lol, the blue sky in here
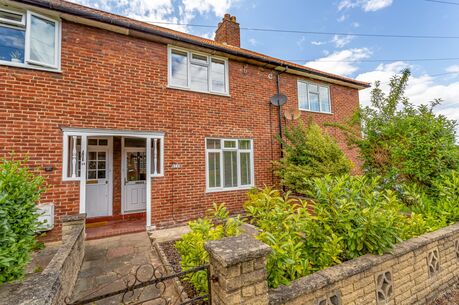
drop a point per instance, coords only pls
(400, 17)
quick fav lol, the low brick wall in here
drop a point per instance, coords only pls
(56, 282)
(414, 272)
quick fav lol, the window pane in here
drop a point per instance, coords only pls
(91, 174)
(73, 157)
(92, 141)
(179, 71)
(199, 77)
(155, 156)
(12, 43)
(214, 169)
(218, 76)
(101, 174)
(230, 144)
(314, 102)
(103, 142)
(313, 88)
(324, 99)
(17, 18)
(245, 168)
(213, 144)
(43, 41)
(199, 59)
(230, 168)
(244, 144)
(303, 95)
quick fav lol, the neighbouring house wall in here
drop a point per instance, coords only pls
(414, 272)
(55, 283)
(113, 81)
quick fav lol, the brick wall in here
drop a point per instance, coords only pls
(414, 272)
(113, 81)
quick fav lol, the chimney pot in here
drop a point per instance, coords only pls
(228, 31)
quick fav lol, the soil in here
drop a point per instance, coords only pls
(449, 297)
(174, 260)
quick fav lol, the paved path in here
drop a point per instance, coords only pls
(111, 262)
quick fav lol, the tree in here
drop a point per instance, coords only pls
(309, 153)
(402, 142)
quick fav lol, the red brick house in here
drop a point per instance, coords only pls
(126, 119)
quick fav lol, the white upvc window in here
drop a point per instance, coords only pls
(313, 97)
(229, 164)
(197, 71)
(30, 40)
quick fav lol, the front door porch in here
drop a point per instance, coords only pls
(115, 170)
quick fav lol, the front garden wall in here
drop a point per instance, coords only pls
(55, 283)
(415, 272)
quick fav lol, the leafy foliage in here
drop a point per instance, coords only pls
(349, 217)
(19, 192)
(216, 225)
(403, 143)
(309, 153)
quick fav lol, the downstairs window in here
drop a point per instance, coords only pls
(229, 164)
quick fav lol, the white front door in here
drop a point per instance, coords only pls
(98, 177)
(134, 179)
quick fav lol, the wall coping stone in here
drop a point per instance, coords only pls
(335, 274)
(72, 218)
(230, 251)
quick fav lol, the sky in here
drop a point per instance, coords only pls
(364, 58)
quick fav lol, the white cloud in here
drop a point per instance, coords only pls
(253, 41)
(366, 5)
(355, 24)
(341, 41)
(421, 89)
(341, 62)
(168, 11)
(453, 69)
(318, 43)
(342, 18)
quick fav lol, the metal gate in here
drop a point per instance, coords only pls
(149, 285)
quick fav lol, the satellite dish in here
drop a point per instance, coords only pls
(278, 99)
(292, 114)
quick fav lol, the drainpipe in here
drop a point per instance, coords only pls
(280, 111)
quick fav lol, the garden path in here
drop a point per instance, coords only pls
(111, 262)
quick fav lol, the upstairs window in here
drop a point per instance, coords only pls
(197, 72)
(229, 164)
(314, 97)
(28, 39)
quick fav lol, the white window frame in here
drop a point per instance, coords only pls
(21, 23)
(189, 62)
(318, 93)
(222, 149)
(25, 25)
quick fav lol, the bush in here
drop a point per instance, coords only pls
(19, 193)
(403, 143)
(348, 217)
(309, 153)
(216, 225)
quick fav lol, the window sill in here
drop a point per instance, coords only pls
(319, 112)
(30, 67)
(232, 189)
(197, 91)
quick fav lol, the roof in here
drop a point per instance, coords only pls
(132, 24)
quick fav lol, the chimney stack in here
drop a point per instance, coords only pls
(228, 31)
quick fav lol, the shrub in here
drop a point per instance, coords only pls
(309, 153)
(19, 192)
(403, 143)
(348, 217)
(216, 225)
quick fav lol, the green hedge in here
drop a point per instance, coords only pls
(19, 192)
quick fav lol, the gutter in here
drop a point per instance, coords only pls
(147, 30)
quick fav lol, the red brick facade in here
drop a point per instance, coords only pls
(114, 81)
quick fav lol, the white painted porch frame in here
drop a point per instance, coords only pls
(85, 133)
